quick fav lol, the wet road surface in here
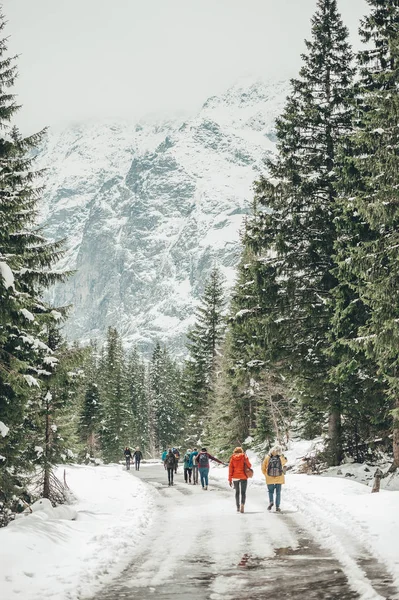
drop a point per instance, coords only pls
(200, 548)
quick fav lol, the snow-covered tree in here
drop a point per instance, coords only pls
(90, 410)
(139, 398)
(26, 258)
(117, 419)
(294, 237)
(367, 252)
(52, 422)
(165, 402)
(199, 371)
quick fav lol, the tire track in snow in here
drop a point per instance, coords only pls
(200, 548)
(329, 530)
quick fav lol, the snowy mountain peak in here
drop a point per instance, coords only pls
(148, 208)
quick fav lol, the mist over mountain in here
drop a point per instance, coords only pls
(148, 208)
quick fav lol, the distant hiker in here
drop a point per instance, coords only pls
(194, 454)
(273, 470)
(238, 475)
(128, 457)
(170, 465)
(138, 456)
(188, 466)
(177, 456)
(202, 460)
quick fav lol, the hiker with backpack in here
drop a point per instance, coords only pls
(177, 456)
(188, 466)
(194, 454)
(170, 466)
(273, 470)
(239, 470)
(128, 457)
(138, 456)
(202, 460)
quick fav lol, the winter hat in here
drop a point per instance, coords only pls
(276, 450)
(238, 450)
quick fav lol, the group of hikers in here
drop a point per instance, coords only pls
(240, 470)
(194, 463)
(137, 456)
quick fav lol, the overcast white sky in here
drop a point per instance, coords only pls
(83, 59)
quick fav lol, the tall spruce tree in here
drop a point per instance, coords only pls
(369, 263)
(117, 423)
(137, 383)
(249, 391)
(90, 411)
(165, 399)
(296, 238)
(199, 371)
(26, 258)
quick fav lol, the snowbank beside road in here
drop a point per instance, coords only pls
(342, 514)
(47, 555)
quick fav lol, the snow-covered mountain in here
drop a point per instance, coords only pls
(148, 208)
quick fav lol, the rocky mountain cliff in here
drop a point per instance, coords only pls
(148, 208)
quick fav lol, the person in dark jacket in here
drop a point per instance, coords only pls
(170, 465)
(128, 457)
(137, 455)
(202, 460)
(194, 454)
(177, 456)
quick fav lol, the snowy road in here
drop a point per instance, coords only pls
(200, 548)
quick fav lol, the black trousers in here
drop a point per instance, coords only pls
(137, 462)
(241, 483)
(127, 462)
(187, 472)
(170, 474)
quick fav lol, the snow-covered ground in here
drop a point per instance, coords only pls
(48, 555)
(342, 513)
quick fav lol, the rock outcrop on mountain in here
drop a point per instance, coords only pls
(148, 208)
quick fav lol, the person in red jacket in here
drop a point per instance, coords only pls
(238, 477)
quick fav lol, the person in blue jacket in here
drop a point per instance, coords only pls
(188, 466)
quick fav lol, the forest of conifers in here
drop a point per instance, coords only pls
(306, 343)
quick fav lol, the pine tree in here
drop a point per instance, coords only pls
(165, 399)
(90, 411)
(117, 420)
(369, 264)
(199, 371)
(138, 393)
(26, 258)
(295, 240)
(52, 412)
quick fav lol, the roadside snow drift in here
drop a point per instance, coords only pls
(48, 555)
(342, 515)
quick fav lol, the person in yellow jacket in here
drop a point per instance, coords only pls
(273, 470)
